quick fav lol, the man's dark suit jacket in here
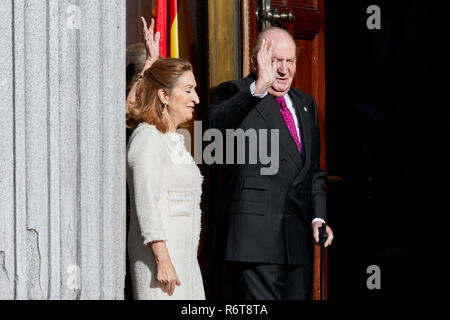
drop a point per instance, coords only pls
(268, 217)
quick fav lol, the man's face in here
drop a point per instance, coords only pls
(283, 62)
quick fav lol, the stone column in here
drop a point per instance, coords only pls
(62, 149)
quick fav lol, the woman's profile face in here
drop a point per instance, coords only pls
(183, 98)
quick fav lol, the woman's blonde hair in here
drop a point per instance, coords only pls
(163, 74)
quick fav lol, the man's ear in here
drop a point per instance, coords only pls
(163, 96)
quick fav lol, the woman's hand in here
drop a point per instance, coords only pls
(151, 41)
(152, 47)
(167, 277)
(166, 274)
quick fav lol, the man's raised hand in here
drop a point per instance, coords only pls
(264, 69)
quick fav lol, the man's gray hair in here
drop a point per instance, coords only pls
(262, 34)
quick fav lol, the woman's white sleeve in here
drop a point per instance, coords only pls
(146, 160)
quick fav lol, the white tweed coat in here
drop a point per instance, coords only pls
(165, 189)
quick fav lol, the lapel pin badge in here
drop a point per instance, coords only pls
(306, 110)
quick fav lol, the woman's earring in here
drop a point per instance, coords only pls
(164, 108)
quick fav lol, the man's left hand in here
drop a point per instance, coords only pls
(315, 229)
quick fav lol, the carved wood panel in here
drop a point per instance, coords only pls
(279, 3)
(310, 5)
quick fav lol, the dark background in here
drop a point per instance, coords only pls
(382, 139)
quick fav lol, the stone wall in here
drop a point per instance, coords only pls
(62, 149)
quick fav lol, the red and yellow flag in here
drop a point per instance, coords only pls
(174, 49)
(172, 20)
(160, 15)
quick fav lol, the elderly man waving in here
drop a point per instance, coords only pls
(271, 220)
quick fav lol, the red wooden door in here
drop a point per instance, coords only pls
(308, 30)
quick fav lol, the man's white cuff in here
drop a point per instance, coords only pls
(252, 90)
(318, 219)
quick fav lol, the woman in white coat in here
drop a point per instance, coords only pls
(164, 181)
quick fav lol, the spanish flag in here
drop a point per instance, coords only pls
(177, 40)
(159, 13)
(174, 48)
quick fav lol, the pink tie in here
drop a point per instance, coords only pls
(287, 116)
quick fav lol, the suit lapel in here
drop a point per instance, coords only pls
(300, 105)
(268, 109)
